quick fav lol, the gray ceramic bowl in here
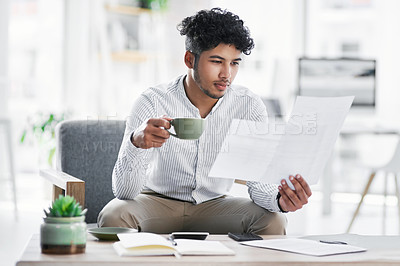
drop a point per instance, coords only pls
(110, 233)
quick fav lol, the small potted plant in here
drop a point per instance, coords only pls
(64, 227)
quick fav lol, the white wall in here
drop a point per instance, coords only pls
(4, 20)
(388, 64)
(78, 92)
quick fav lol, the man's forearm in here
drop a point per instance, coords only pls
(129, 174)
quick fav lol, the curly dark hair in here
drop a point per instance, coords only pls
(208, 28)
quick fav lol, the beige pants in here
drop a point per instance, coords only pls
(158, 214)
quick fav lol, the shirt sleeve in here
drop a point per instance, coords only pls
(129, 173)
(264, 195)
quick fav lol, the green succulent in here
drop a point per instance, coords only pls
(65, 206)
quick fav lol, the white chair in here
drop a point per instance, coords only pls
(392, 168)
(6, 124)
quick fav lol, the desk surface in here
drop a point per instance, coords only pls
(102, 253)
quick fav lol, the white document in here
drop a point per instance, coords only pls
(304, 246)
(256, 151)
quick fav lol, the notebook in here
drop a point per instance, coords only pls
(149, 244)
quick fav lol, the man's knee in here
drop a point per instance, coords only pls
(278, 224)
(269, 223)
(115, 214)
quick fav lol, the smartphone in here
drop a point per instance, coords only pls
(244, 236)
(189, 235)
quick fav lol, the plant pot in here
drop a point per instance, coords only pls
(63, 235)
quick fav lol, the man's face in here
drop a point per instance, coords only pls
(216, 69)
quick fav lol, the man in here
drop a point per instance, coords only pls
(161, 184)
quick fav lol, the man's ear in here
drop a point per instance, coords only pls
(189, 59)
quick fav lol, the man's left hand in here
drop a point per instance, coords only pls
(292, 200)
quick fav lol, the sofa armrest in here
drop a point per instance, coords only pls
(65, 184)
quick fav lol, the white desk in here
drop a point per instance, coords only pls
(102, 253)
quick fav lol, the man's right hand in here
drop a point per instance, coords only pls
(152, 134)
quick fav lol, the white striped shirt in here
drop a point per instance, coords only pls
(179, 169)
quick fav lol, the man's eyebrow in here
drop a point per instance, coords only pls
(221, 58)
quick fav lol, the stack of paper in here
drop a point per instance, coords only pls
(304, 246)
(268, 153)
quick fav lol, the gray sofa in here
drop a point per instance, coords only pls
(86, 153)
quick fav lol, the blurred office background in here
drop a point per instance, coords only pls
(73, 59)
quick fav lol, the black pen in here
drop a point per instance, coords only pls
(333, 242)
(171, 238)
